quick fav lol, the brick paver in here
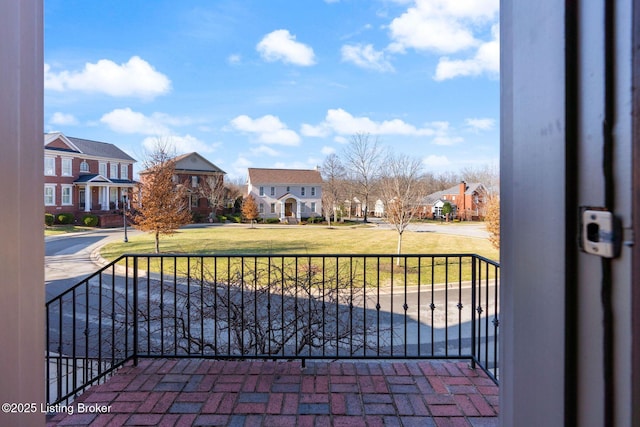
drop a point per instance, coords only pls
(253, 393)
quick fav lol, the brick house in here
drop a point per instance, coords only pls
(466, 199)
(203, 181)
(83, 176)
(287, 194)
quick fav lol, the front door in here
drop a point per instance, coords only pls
(287, 209)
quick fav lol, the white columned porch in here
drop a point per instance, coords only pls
(282, 210)
(87, 199)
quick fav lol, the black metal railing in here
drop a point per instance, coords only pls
(272, 307)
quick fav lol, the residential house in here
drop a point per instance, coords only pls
(287, 194)
(83, 176)
(203, 181)
(467, 202)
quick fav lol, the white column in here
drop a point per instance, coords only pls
(22, 294)
(87, 198)
(105, 198)
(282, 210)
(298, 209)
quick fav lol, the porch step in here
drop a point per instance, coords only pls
(292, 220)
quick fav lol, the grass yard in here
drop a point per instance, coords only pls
(64, 229)
(281, 240)
(301, 240)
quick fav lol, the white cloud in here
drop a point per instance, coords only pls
(181, 144)
(267, 129)
(63, 119)
(436, 161)
(280, 45)
(450, 27)
(234, 59)
(485, 60)
(443, 134)
(124, 120)
(263, 149)
(327, 150)
(341, 139)
(314, 131)
(476, 125)
(365, 56)
(135, 78)
(442, 25)
(343, 123)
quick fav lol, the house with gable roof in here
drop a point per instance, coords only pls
(467, 202)
(202, 180)
(287, 194)
(85, 176)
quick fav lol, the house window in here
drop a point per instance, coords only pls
(261, 208)
(50, 166)
(102, 169)
(303, 207)
(288, 189)
(66, 167)
(67, 195)
(124, 171)
(302, 191)
(313, 191)
(262, 191)
(194, 199)
(84, 166)
(313, 206)
(273, 191)
(273, 208)
(49, 195)
(114, 171)
(194, 181)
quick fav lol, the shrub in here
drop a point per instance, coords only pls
(65, 218)
(49, 219)
(197, 217)
(272, 220)
(236, 218)
(90, 220)
(222, 218)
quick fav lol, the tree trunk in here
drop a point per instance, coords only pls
(157, 242)
(399, 248)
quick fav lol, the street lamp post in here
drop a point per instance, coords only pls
(124, 216)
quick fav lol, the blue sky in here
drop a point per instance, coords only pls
(275, 83)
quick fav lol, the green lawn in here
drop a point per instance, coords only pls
(63, 229)
(301, 240)
(311, 240)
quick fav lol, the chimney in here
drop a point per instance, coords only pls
(463, 188)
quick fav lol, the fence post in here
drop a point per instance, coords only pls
(473, 312)
(135, 311)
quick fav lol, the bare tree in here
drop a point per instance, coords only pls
(333, 175)
(234, 191)
(363, 158)
(402, 190)
(488, 175)
(162, 205)
(212, 188)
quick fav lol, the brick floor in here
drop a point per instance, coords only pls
(267, 393)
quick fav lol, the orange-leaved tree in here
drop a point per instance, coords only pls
(250, 209)
(162, 204)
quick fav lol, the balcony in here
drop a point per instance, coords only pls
(278, 340)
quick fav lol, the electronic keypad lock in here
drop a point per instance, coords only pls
(601, 233)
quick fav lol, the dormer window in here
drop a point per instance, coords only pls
(84, 166)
